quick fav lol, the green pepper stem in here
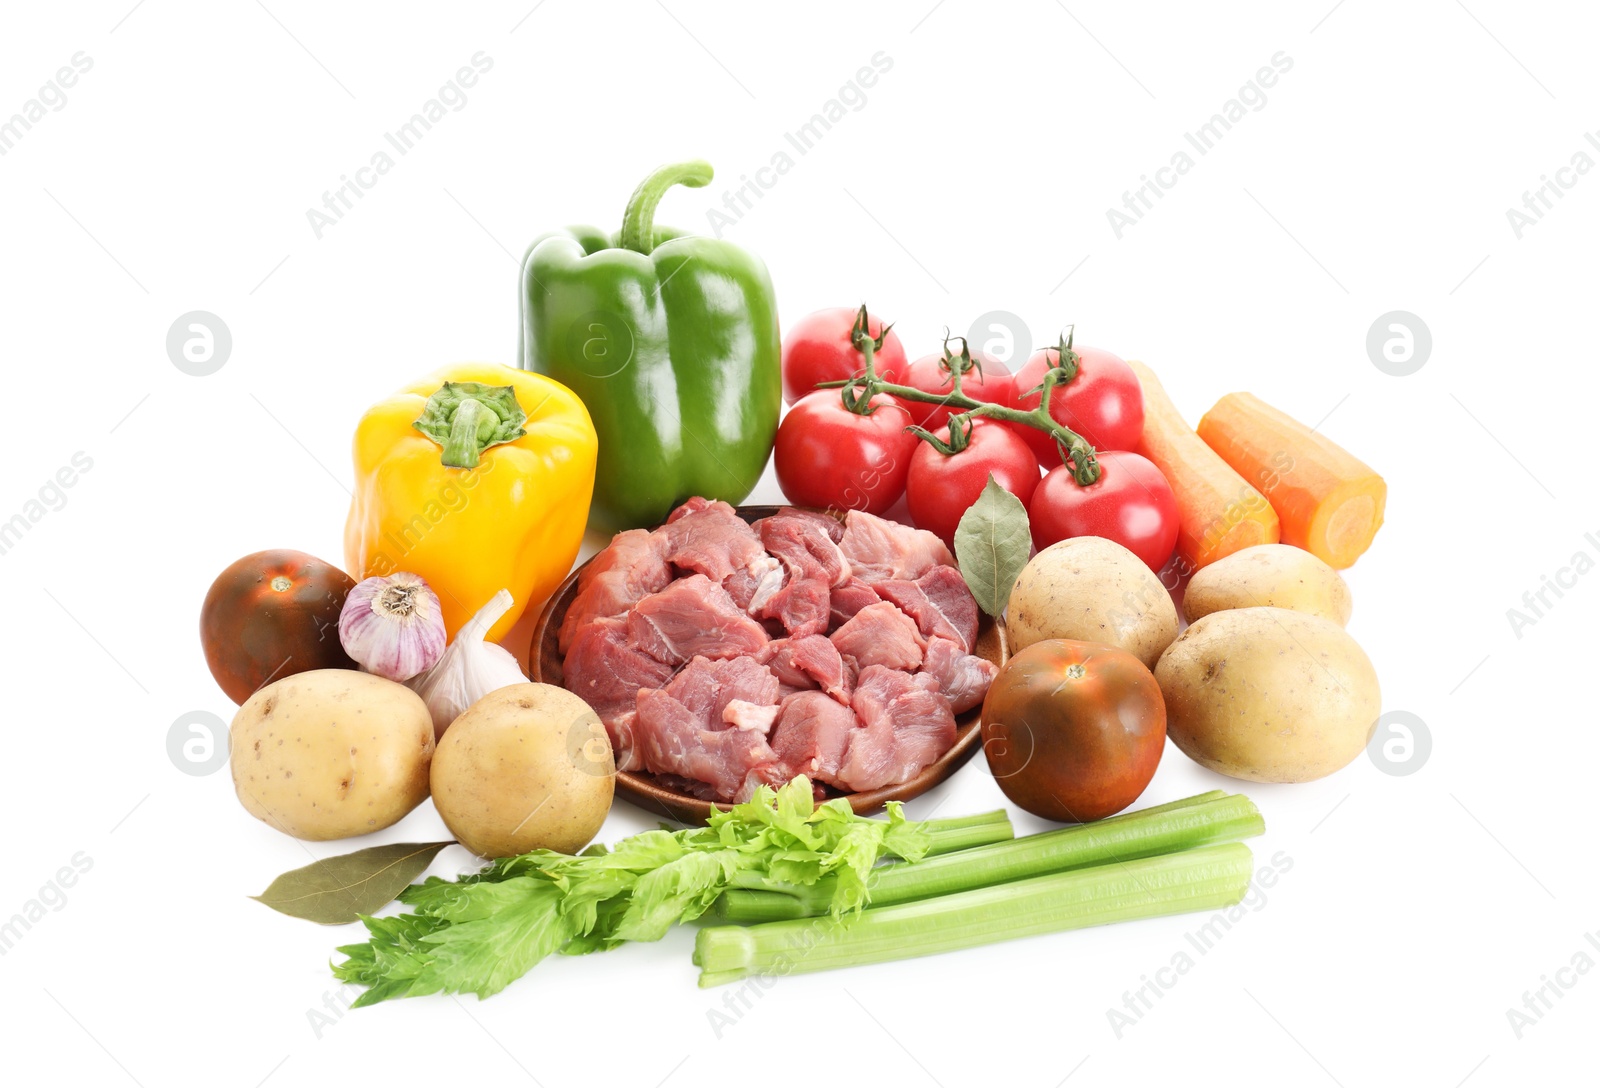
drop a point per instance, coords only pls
(639, 221)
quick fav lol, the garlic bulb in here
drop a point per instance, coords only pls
(393, 626)
(470, 669)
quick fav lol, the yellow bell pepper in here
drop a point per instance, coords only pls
(476, 478)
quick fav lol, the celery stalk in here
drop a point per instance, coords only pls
(1196, 821)
(965, 832)
(1207, 878)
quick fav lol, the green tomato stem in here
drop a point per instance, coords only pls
(860, 401)
(858, 394)
(1077, 450)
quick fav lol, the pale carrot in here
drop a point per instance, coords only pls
(1328, 502)
(1219, 513)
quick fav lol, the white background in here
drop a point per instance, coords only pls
(976, 177)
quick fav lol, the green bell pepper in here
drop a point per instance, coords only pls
(671, 341)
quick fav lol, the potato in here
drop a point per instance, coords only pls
(331, 753)
(1269, 695)
(1093, 590)
(1269, 575)
(526, 767)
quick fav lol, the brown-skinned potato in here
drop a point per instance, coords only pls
(331, 753)
(1268, 694)
(1092, 590)
(1271, 576)
(526, 767)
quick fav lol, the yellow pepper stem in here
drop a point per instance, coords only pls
(466, 418)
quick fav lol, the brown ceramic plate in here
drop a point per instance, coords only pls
(544, 666)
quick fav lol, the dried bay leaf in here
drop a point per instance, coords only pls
(338, 889)
(992, 546)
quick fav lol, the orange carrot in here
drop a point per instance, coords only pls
(1218, 511)
(1328, 502)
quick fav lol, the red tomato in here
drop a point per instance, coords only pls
(1131, 503)
(1103, 402)
(988, 381)
(941, 486)
(817, 348)
(829, 457)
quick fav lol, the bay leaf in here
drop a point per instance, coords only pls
(335, 890)
(992, 546)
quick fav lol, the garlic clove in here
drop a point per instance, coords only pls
(470, 669)
(393, 626)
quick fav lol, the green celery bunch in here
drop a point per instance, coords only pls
(480, 933)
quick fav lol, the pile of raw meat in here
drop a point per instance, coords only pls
(722, 655)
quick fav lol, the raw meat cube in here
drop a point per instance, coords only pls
(630, 568)
(674, 740)
(811, 662)
(804, 546)
(963, 678)
(707, 687)
(752, 586)
(881, 635)
(692, 617)
(812, 735)
(939, 601)
(906, 725)
(801, 607)
(846, 600)
(879, 550)
(711, 540)
(830, 524)
(605, 672)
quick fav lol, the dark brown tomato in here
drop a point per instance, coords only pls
(1073, 731)
(271, 615)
